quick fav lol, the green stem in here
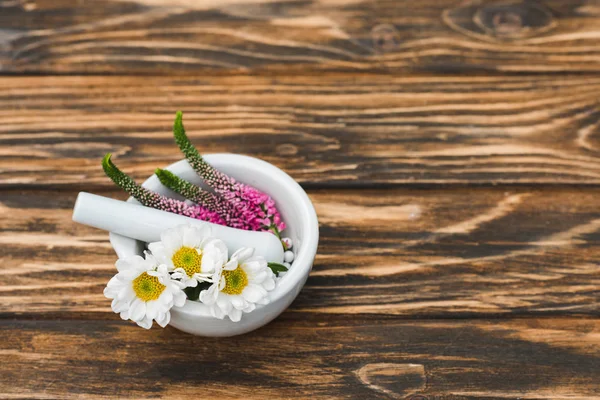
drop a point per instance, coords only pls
(214, 178)
(183, 187)
(125, 182)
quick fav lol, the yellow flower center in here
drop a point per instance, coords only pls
(189, 260)
(147, 287)
(235, 281)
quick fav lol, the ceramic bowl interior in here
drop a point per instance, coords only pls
(302, 227)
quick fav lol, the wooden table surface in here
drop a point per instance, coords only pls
(451, 149)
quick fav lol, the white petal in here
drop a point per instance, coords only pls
(163, 269)
(190, 282)
(172, 241)
(125, 293)
(216, 312)
(176, 284)
(165, 279)
(253, 293)
(119, 306)
(231, 264)
(238, 302)
(269, 284)
(115, 281)
(217, 275)
(255, 264)
(206, 230)
(258, 277)
(192, 237)
(111, 292)
(166, 297)
(218, 247)
(122, 265)
(156, 247)
(264, 300)
(160, 254)
(129, 275)
(179, 298)
(224, 303)
(145, 323)
(163, 319)
(152, 308)
(150, 261)
(203, 277)
(129, 295)
(209, 296)
(137, 310)
(235, 315)
(243, 253)
(181, 229)
(177, 275)
(126, 263)
(251, 307)
(210, 261)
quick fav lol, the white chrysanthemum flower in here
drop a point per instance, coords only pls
(244, 282)
(190, 253)
(143, 291)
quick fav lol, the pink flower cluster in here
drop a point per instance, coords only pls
(182, 208)
(252, 206)
(232, 204)
(155, 200)
(255, 207)
(241, 206)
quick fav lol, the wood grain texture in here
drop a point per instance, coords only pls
(166, 36)
(400, 118)
(320, 357)
(420, 253)
(325, 130)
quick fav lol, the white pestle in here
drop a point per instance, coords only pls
(146, 224)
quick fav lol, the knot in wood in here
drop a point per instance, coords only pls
(505, 21)
(385, 37)
(513, 20)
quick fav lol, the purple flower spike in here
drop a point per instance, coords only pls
(155, 200)
(227, 211)
(254, 206)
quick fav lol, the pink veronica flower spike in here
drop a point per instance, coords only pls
(155, 200)
(256, 208)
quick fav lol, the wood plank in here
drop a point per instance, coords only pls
(323, 130)
(426, 253)
(183, 36)
(324, 357)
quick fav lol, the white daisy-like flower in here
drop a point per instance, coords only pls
(190, 253)
(244, 282)
(143, 291)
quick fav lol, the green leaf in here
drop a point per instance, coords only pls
(127, 183)
(210, 175)
(188, 149)
(194, 292)
(277, 268)
(176, 184)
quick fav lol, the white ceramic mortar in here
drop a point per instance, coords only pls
(297, 212)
